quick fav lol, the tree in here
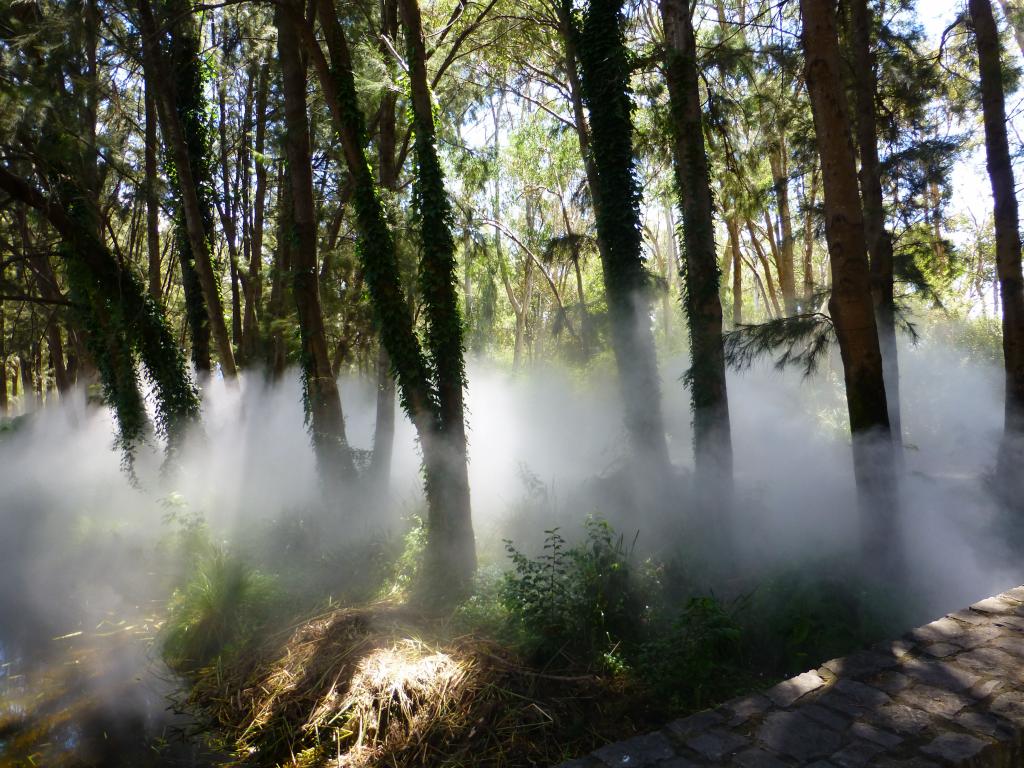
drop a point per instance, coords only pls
(850, 305)
(451, 555)
(605, 72)
(879, 241)
(180, 107)
(700, 274)
(320, 389)
(1008, 242)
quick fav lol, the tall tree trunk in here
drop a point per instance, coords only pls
(384, 422)
(851, 306)
(605, 74)
(277, 351)
(1015, 16)
(1008, 242)
(706, 377)
(322, 401)
(393, 315)
(152, 198)
(879, 241)
(451, 546)
(809, 242)
(774, 309)
(737, 271)
(254, 292)
(780, 182)
(182, 141)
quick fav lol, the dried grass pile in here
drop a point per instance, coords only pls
(381, 686)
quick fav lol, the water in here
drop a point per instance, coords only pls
(98, 696)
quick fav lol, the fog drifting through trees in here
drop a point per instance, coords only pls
(795, 485)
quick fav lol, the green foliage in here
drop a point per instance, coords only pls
(801, 341)
(695, 659)
(575, 605)
(216, 612)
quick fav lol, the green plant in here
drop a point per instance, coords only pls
(575, 605)
(696, 658)
(216, 612)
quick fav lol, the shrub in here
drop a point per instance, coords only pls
(577, 605)
(216, 612)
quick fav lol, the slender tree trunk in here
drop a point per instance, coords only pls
(198, 225)
(254, 293)
(449, 527)
(851, 306)
(1008, 242)
(706, 377)
(775, 309)
(1015, 16)
(780, 182)
(737, 271)
(277, 350)
(152, 198)
(323, 403)
(605, 75)
(384, 424)
(879, 241)
(451, 546)
(809, 242)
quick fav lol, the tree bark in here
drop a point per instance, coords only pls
(198, 227)
(1008, 241)
(451, 546)
(605, 75)
(322, 401)
(879, 241)
(737, 271)
(851, 306)
(780, 183)
(152, 198)
(700, 275)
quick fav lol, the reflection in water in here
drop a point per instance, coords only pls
(92, 698)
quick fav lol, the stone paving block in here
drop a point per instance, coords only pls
(1017, 593)
(746, 707)
(862, 694)
(717, 744)
(969, 616)
(942, 674)
(912, 762)
(902, 719)
(787, 692)
(826, 717)
(842, 703)
(984, 724)
(1013, 622)
(694, 724)
(934, 700)
(983, 660)
(956, 748)
(757, 758)
(985, 689)
(638, 752)
(941, 630)
(861, 663)
(941, 650)
(1009, 705)
(876, 735)
(582, 762)
(980, 633)
(799, 737)
(856, 754)
(890, 681)
(1013, 644)
(997, 604)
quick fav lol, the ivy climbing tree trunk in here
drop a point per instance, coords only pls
(605, 73)
(699, 272)
(451, 520)
(181, 110)
(851, 306)
(1008, 243)
(879, 241)
(451, 552)
(321, 398)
